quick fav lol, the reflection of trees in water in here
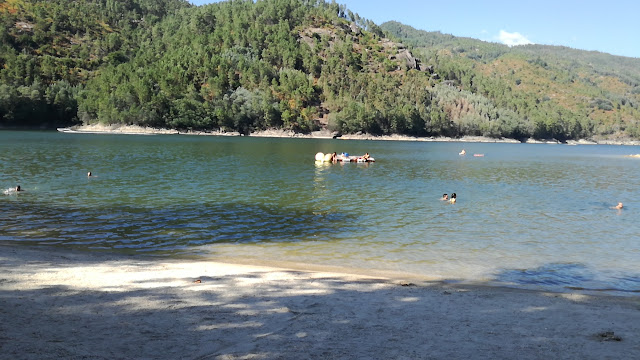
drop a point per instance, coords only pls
(167, 229)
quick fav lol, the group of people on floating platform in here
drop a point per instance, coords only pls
(343, 157)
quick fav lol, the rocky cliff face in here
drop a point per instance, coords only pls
(399, 51)
(403, 55)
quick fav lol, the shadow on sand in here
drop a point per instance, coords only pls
(202, 310)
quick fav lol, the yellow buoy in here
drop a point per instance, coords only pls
(319, 156)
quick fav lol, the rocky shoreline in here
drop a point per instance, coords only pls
(327, 134)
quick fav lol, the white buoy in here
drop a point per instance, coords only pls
(319, 156)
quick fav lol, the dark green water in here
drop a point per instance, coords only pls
(527, 215)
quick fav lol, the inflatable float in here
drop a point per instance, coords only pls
(322, 157)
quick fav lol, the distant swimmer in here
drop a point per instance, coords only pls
(89, 174)
(16, 189)
(619, 206)
(444, 197)
(463, 152)
(453, 198)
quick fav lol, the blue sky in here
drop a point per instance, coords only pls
(608, 26)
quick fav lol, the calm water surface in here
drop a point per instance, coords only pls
(528, 215)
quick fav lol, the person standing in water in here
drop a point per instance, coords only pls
(453, 198)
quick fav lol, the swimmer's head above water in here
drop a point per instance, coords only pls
(12, 190)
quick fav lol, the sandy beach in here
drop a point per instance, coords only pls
(273, 133)
(327, 134)
(77, 305)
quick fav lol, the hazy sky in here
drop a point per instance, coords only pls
(611, 26)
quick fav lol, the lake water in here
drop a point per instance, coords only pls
(528, 215)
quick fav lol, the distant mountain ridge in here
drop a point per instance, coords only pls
(299, 65)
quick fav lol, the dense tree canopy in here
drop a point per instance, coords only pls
(295, 64)
(547, 91)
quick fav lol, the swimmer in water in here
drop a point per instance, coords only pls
(463, 152)
(619, 206)
(16, 189)
(445, 197)
(453, 198)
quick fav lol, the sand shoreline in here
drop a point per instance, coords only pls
(74, 304)
(325, 134)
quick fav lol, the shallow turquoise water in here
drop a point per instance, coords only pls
(528, 215)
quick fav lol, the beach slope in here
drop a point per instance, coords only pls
(79, 305)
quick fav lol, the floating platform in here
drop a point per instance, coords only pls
(322, 157)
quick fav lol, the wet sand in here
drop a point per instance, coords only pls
(69, 304)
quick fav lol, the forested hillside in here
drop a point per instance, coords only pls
(552, 91)
(295, 64)
(50, 49)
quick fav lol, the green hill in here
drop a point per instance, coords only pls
(295, 64)
(554, 92)
(50, 49)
